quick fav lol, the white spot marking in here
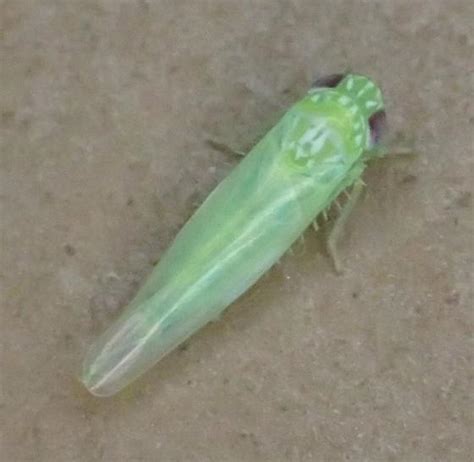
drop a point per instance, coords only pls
(367, 138)
(312, 133)
(358, 139)
(319, 143)
(370, 104)
(367, 86)
(309, 136)
(344, 100)
(350, 83)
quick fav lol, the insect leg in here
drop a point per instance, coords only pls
(392, 153)
(340, 222)
(397, 146)
(224, 148)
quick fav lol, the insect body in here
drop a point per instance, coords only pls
(317, 150)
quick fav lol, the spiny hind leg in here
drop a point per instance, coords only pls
(315, 223)
(340, 222)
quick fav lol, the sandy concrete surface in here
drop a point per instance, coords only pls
(106, 108)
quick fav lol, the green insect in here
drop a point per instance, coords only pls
(315, 152)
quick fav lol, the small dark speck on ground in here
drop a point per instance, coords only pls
(68, 340)
(250, 436)
(70, 250)
(183, 347)
(452, 299)
(408, 179)
(7, 117)
(464, 200)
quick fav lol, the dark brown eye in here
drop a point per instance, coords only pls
(329, 81)
(378, 125)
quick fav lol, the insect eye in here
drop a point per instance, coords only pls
(328, 81)
(378, 125)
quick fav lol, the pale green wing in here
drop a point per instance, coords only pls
(238, 233)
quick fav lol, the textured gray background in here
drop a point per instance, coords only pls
(105, 111)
